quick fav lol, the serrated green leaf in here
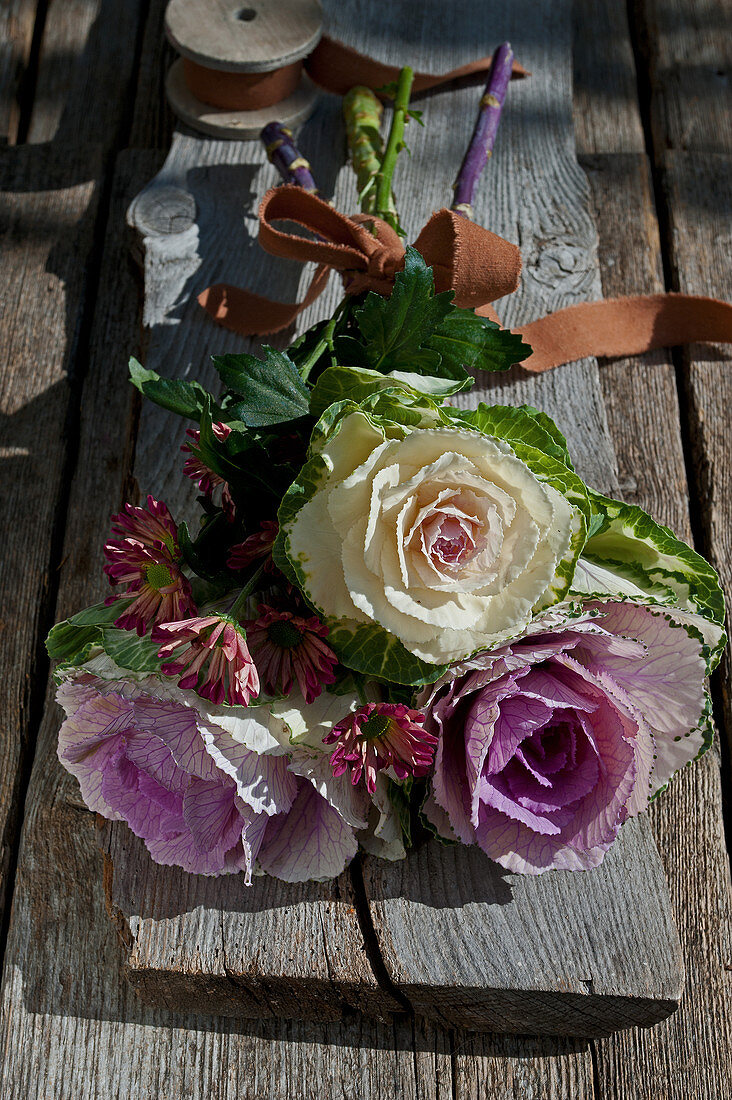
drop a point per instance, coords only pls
(272, 389)
(176, 394)
(464, 339)
(394, 328)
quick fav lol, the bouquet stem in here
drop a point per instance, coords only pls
(286, 157)
(362, 111)
(484, 134)
(383, 207)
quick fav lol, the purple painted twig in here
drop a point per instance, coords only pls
(286, 157)
(484, 134)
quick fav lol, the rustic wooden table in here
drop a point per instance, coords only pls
(82, 108)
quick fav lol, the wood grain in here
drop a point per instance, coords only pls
(472, 946)
(691, 1053)
(686, 52)
(698, 196)
(606, 113)
(48, 234)
(17, 19)
(152, 118)
(85, 72)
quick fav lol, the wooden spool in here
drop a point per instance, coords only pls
(241, 63)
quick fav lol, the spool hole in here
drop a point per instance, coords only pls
(246, 15)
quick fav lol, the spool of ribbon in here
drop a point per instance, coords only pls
(479, 266)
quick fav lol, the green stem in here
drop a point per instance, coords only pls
(362, 112)
(325, 343)
(395, 142)
(246, 592)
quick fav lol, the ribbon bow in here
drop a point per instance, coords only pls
(477, 265)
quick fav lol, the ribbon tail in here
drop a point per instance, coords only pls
(251, 314)
(488, 311)
(337, 67)
(618, 327)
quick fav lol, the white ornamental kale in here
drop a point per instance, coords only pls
(442, 539)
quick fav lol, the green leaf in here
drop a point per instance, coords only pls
(130, 651)
(271, 388)
(399, 796)
(356, 384)
(464, 339)
(175, 394)
(517, 424)
(371, 650)
(68, 642)
(631, 554)
(394, 328)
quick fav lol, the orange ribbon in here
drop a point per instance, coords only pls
(337, 67)
(477, 265)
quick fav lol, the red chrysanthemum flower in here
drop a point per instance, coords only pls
(196, 469)
(255, 547)
(146, 560)
(209, 654)
(287, 647)
(381, 735)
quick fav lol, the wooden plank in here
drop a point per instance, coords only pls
(689, 1054)
(686, 52)
(48, 220)
(698, 197)
(562, 954)
(17, 19)
(86, 71)
(292, 951)
(152, 119)
(606, 114)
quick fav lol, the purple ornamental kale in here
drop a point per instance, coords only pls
(548, 744)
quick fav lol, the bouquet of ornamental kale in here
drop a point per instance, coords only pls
(397, 618)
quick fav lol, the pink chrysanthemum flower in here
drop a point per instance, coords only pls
(211, 657)
(146, 559)
(255, 547)
(287, 647)
(196, 469)
(381, 735)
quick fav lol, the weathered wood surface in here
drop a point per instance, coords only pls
(17, 18)
(86, 69)
(606, 114)
(691, 1053)
(75, 1030)
(48, 234)
(685, 49)
(469, 945)
(536, 194)
(698, 196)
